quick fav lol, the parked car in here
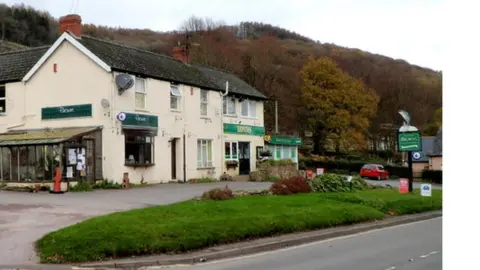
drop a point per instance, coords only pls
(374, 171)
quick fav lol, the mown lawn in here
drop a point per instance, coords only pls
(193, 224)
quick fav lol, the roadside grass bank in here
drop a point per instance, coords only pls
(197, 224)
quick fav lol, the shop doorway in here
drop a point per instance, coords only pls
(244, 158)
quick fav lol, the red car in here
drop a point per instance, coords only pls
(374, 171)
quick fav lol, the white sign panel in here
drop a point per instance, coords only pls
(426, 190)
(320, 171)
(349, 178)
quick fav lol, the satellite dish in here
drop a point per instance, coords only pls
(123, 82)
(105, 103)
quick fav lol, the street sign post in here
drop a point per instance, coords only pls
(409, 140)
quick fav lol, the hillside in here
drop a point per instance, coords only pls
(267, 57)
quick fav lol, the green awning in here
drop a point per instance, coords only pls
(43, 136)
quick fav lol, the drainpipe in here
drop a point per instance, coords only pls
(222, 142)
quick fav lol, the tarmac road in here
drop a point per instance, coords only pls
(414, 246)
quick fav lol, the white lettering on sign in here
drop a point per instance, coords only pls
(244, 129)
(140, 119)
(65, 110)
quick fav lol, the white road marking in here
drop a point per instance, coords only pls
(391, 268)
(431, 253)
(163, 266)
(314, 243)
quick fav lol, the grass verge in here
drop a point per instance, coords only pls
(390, 201)
(195, 224)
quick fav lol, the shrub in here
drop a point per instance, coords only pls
(107, 184)
(434, 176)
(81, 186)
(336, 183)
(290, 186)
(218, 194)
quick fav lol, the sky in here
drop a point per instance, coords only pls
(402, 29)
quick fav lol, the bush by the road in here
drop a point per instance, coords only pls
(290, 186)
(336, 183)
(434, 176)
(218, 194)
(390, 201)
(196, 224)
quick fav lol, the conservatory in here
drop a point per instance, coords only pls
(32, 156)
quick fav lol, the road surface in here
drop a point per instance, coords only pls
(415, 246)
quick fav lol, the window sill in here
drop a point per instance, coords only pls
(134, 165)
(205, 168)
(3, 114)
(175, 111)
(141, 110)
(230, 115)
(205, 117)
(249, 117)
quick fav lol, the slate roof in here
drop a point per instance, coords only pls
(122, 58)
(141, 62)
(15, 64)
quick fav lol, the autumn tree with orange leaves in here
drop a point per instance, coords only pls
(339, 108)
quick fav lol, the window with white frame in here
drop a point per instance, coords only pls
(140, 93)
(249, 108)
(204, 153)
(229, 106)
(3, 99)
(175, 97)
(231, 150)
(203, 102)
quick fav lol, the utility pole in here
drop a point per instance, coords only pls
(276, 116)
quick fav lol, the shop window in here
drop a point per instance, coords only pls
(204, 154)
(231, 150)
(139, 148)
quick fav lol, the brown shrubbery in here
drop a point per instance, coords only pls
(290, 186)
(218, 194)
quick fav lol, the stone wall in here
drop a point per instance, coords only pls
(279, 169)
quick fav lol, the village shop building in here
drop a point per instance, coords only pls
(283, 147)
(99, 109)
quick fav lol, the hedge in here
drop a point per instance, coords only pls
(434, 176)
(350, 166)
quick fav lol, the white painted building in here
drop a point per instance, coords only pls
(60, 106)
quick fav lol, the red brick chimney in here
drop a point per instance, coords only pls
(71, 23)
(179, 53)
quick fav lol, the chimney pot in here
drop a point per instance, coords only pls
(71, 23)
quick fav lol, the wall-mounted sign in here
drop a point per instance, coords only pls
(409, 141)
(68, 111)
(243, 129)
(283, 140)
(138, 120)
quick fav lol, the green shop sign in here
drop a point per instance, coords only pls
(243, 129)
(70, 111)
(409, 141)
(138, 120)
(283, 140)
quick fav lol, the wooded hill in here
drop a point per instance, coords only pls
(267, 57)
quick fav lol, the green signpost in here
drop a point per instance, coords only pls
(409, 141)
